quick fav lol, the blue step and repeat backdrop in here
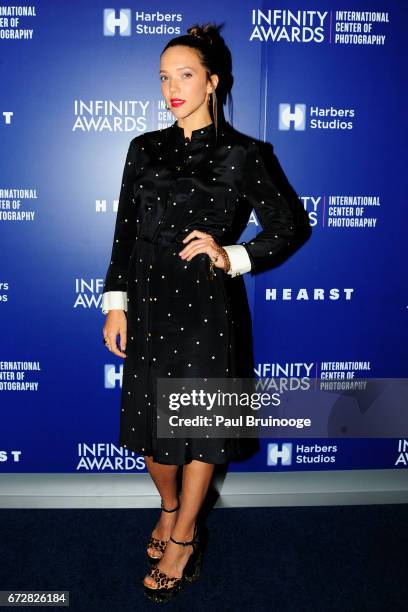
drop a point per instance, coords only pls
(322, 82)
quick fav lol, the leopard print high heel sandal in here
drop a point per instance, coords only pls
(156, 543)
(167, 586)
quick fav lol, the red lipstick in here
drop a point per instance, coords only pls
(176, 102)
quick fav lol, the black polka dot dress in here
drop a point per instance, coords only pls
(180, 322)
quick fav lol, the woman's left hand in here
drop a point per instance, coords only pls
(202, 243)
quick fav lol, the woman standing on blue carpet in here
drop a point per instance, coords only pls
(174, 292)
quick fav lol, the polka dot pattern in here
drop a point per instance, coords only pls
(181, 321)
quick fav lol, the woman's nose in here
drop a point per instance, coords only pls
(173, 87)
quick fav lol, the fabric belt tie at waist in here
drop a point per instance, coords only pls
(162, 241)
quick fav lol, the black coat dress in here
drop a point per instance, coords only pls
(180, 322)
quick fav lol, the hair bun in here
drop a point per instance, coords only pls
(206, 32)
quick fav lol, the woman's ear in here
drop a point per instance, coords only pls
(214, 80)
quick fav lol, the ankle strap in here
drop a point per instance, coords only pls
(193, 542)
(172, 510)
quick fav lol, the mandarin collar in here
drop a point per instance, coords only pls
(201, 134)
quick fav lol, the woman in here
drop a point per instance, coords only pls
(174, 291)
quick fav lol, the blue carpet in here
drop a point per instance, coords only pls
(348, 558)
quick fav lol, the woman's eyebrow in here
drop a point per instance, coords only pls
(181, 68)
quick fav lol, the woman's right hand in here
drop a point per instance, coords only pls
(116, 323)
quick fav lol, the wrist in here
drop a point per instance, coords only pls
(226, 259)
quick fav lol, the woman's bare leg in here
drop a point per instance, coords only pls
(165, 479)
(196, 479)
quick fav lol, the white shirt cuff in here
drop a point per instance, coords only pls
(114, 300)
(239, 258)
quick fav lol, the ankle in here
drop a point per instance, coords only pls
(169, 502)
(183, 534)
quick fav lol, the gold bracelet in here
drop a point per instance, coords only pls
(212, 262)
(224, 255)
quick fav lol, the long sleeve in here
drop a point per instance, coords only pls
(277, 207)
(114, 300)
(115, 284)
(239, 259)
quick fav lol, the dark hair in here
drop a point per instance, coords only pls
(216, 58)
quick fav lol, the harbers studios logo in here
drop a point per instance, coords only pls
(279, 453)
(118, 22)
(283, 454)
(298, 117)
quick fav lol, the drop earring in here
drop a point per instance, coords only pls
(214, 110)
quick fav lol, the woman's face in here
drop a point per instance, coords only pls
(183, 79)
